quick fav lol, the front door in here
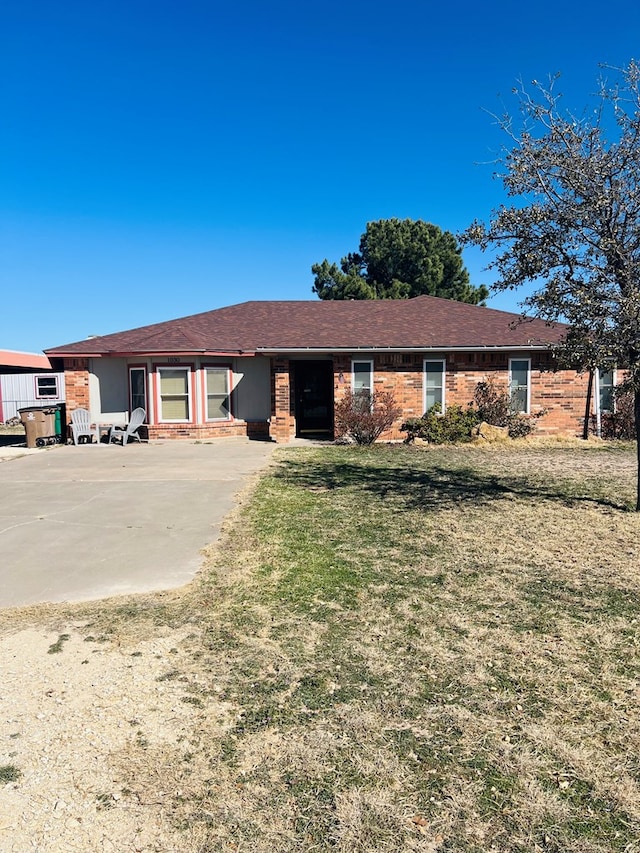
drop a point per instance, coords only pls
(314, 399)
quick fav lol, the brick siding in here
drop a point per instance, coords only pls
(76, 388)
(282, 419)
(76, 384)
(199, 432)
(562, 395)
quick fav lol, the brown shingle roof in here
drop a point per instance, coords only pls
(425, 322)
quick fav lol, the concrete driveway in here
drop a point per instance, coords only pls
(87, 522)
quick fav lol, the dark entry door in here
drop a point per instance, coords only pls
(314, 398)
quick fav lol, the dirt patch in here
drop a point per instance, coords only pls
(79, 717)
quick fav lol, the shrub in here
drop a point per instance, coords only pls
(363, 417)
(454, 425)
(520, 426)
(413, 428)
(619, 424)
(493, 406)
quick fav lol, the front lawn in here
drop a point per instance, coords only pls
(416, 650)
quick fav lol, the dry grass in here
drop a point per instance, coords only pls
(408, 650)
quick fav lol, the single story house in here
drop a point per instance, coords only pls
(27, 379)
(275, 369)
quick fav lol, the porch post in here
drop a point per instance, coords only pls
(282, 421)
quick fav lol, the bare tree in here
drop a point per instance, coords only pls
(573, 228)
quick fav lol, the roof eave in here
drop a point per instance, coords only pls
(169, 353)
(227, 353)
(430, 348)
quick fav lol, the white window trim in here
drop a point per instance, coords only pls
(227, 370)
(355, 361)
(443, 363)
(188, 371)
(614, 381)
(527, 411)
(40, 396)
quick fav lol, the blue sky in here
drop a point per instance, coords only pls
(158, 158)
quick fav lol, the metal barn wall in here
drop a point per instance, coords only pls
(18, 390)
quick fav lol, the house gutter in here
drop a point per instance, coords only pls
(296, 350)
(329, 350)
(152, 354)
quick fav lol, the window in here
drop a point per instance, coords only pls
(218, 407)
(519, 373)
(138, 388)
(174, 394)
(362, 373)
(46, 386)
(606, 384)
(434, 372)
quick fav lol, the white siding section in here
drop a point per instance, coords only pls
(109, 390)
(19, 390)
(251, 389)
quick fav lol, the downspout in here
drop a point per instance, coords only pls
(597, 405)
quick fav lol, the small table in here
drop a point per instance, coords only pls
(104, 429)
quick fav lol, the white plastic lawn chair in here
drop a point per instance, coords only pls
(131, 429)
(81, 425)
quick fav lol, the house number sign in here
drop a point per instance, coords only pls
(173, 359)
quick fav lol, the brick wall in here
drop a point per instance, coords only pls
(199, 432)
(282, 419)
(341, 376)
(400, 374)
(76, 382)
(562, 394)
